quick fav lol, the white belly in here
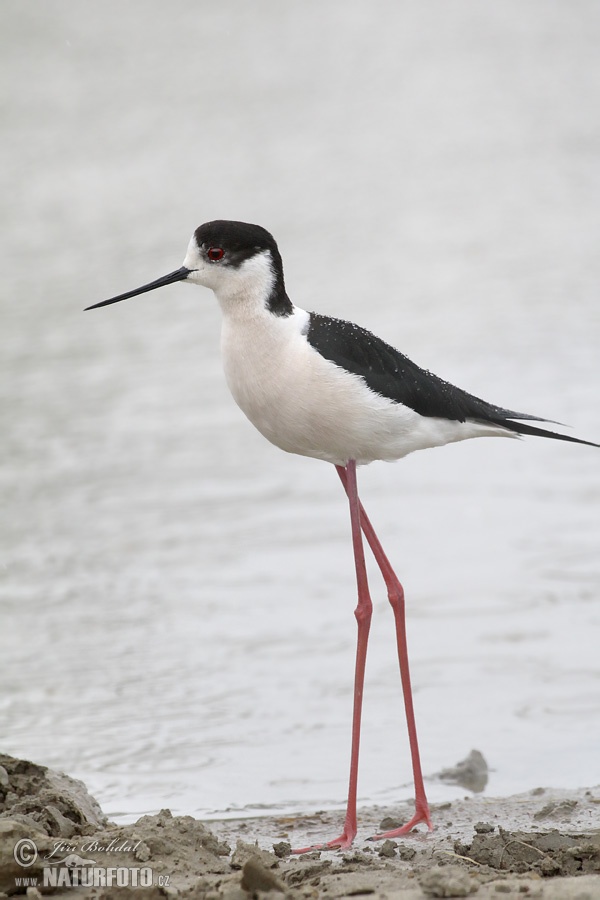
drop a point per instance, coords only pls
(305, 404)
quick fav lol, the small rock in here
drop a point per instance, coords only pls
(360, 890)
(282, 850)
(388, 849)
(549, 866)
(28, 821)
(447, 881)
(357, 858)
(389, 824)
(142, 852)
(307, 870)
(60, 826)
(257, 877)
(555, 810)
(243, 852)
(470, 773)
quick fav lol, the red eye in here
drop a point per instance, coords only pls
(215, 254)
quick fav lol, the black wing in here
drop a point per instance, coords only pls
(388, 372)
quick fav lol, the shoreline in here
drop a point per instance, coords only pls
(543, 844)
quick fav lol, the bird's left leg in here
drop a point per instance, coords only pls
(396, 598)
(363, 614)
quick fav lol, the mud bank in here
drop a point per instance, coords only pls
(544, 845)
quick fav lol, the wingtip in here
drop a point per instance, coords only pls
(522, 428)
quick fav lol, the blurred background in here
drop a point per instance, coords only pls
(177, 594)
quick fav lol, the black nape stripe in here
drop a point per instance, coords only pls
(279, 303)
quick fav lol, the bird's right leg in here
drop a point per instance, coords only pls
(396, 597)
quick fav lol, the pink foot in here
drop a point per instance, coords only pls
(421, 815)
(343, 842)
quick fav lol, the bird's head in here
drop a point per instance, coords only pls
(234, 259)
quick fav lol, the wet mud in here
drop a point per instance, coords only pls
(544, 844)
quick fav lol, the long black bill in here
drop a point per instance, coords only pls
(178, 275)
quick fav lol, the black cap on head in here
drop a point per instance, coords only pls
(241, 241)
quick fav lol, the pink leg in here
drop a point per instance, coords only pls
(396, 598)
(363, 618)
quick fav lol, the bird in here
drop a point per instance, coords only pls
(327, 388)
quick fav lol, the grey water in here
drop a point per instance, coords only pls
(177, 594)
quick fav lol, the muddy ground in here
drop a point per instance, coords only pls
(543, 845)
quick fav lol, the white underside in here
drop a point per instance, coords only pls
(305, 404)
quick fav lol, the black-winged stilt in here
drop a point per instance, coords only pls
(326, 388)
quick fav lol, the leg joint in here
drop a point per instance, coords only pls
(396, 596)
(363, 614)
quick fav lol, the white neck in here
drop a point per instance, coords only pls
(245, 291)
